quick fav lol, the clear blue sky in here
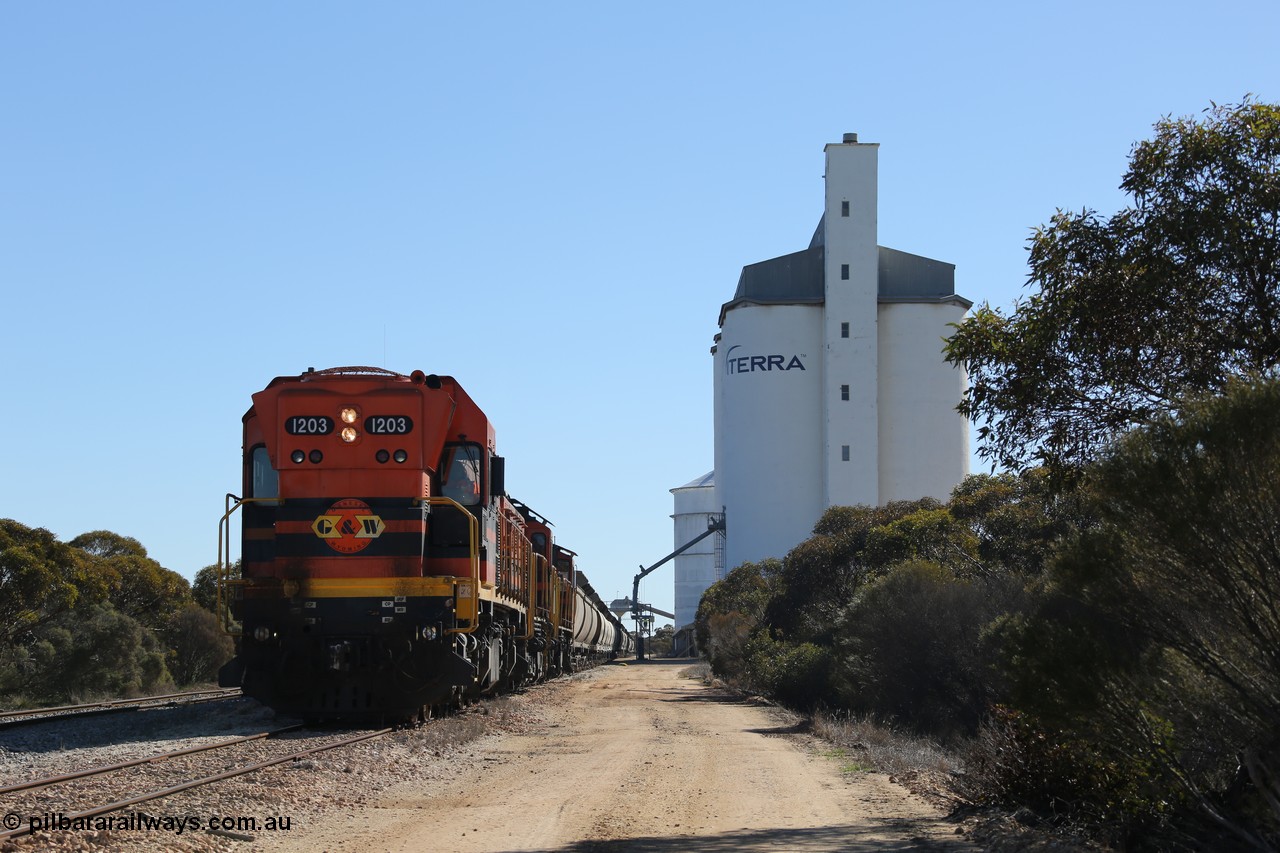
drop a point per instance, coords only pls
(548, 201)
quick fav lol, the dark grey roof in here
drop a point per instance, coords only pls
(907, 276)
(796, 277)
(819, 233)
(799, 278)
(786, 280)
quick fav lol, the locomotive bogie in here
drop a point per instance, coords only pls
(342, 657)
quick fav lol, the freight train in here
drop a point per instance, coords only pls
(385, 574)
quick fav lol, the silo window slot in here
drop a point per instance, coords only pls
(844, 208)
(844, 330)
(844, 272)
(844, 453)
(844, 392)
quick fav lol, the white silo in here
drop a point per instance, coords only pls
(696, 568)
(768, 372)
(924, 441)
(830, 385)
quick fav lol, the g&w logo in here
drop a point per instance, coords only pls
(349, 526)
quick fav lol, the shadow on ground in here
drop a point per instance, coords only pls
(853, 839)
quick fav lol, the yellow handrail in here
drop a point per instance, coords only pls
(470, 591)
(224, 567)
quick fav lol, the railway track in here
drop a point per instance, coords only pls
(169, 790)
(11, 719)
(137, 762)
(167, 779)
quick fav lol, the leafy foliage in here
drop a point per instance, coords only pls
(1177, 293)
(1016, 519)
(797, 674)
(1168, 608)
(883, 610)
(823, 573)
(40, 579)
(96, 652)
(198, 645)
(730, 610)
(95, 617)
(1019, 763)
(910, 648)
(136, 585)
(204, 588)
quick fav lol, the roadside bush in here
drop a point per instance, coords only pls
(822, 573)
(795, 674)
(1156, 638)
(910, 648)
(1065, 777)
(729, 613)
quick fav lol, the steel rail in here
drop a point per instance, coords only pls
(206, 780)
(9, 719)
(151, 759)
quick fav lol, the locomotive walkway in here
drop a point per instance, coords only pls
(638, 758)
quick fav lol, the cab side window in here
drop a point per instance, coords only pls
(264, 480)
(460, 474)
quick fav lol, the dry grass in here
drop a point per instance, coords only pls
(930, 771)
(883, 747)
(698, 672)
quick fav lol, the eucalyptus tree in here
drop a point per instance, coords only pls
(1177, 293)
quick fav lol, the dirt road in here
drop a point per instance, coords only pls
(639, 758)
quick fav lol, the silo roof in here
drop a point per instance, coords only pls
(799, 278)
(707, 479)
(786, 280)
(907, 277)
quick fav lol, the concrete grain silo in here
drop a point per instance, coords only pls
(830, 386)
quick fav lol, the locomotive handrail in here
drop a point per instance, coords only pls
(531, 613)
(472, 613)
(571, 583)
(224, 568)
(553, 598)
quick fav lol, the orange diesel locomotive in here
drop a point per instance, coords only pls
(384, 570)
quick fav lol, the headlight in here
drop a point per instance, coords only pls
(297, 456)
(348, 415)
(429, 632)
(262, 633)
(349, 434)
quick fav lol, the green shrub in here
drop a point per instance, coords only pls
(1067, 778)
(795, 674)
(910, 648)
